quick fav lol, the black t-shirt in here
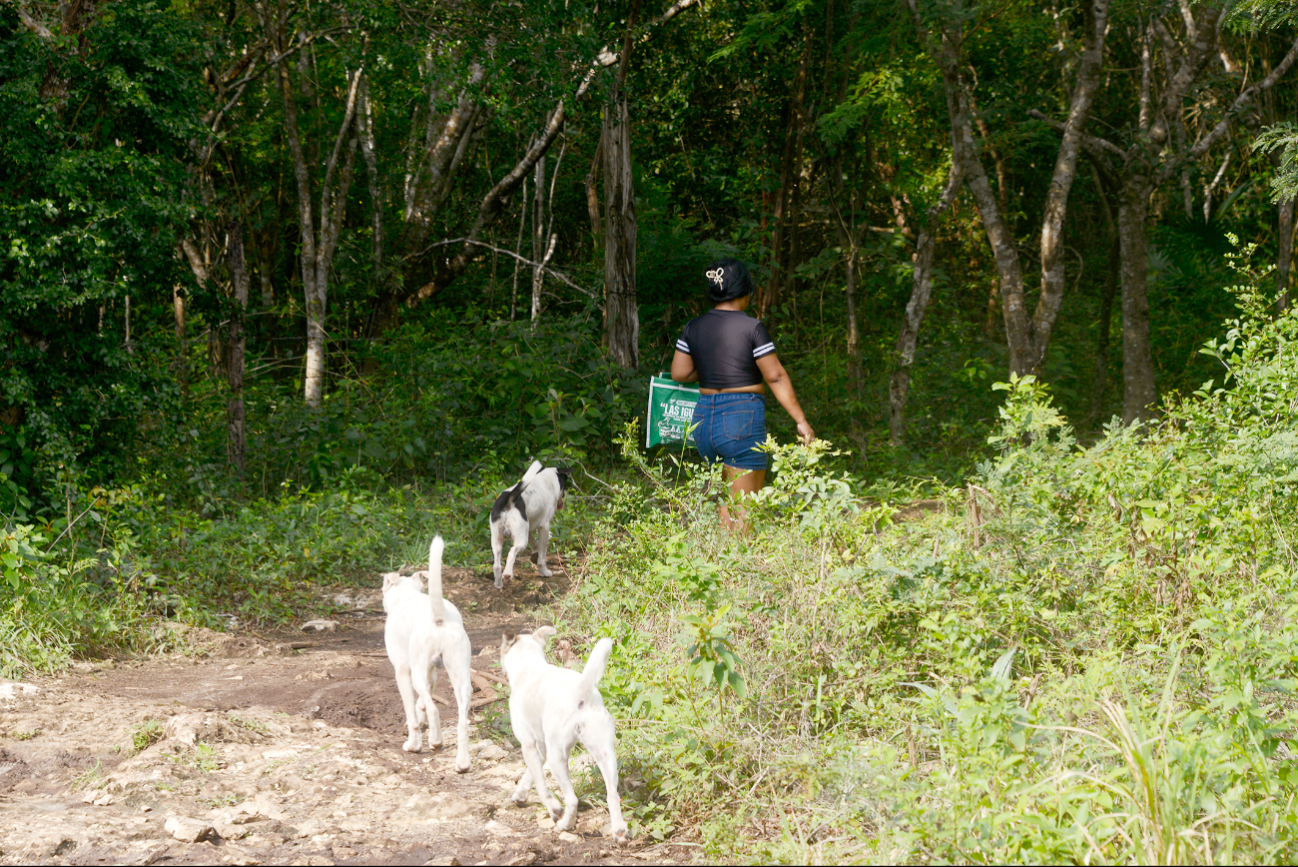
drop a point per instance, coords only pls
(725, 346)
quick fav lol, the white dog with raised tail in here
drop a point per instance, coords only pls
(551, 708)
(421, 631)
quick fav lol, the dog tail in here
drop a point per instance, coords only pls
(435, 580)
(594, 670)
(531, 472)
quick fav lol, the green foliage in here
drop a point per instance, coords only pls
(146, 734)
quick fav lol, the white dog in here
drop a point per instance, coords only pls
(423, 630)
(529, 505)
(550, 709)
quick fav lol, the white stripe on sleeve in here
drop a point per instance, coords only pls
(683, 346)
(764, 349)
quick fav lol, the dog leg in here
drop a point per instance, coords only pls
(559, 767)
(535, 761)
(542, 541)
(599, 741)
(497, 542)
(457, 671)
(513, 553)
(404, 686)
(434, 717)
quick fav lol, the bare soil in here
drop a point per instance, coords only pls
(283, 749)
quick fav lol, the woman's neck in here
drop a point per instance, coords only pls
(739, 305)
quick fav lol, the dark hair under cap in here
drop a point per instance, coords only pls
(728, 279)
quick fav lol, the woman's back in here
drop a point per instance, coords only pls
(725, 346)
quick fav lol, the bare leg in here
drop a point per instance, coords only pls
(742, 483)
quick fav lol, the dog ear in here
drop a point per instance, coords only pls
(390, 578)
(507, 641)
(565, 477)
(543, 633)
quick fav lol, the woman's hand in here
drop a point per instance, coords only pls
(805, 431)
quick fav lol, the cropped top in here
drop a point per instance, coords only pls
(725, 346)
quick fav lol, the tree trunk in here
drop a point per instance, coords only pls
(317, 254)
(621, 313)
(538, 235)
(182, 343)
(236, 444)
(592, 195)
(1061, 182)
(786, 197)
(1138, 393)
(1284, 256)
(921, 293)
(1284, 259)
(1112, 279)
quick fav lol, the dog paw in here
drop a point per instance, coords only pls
(544, 573)
(621, 836)
(556, 813)
(462, 768)
(412, 746)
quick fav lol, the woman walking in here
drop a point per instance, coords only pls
(732, 358)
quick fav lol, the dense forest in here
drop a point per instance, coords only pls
(287, 286)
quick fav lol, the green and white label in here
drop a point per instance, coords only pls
(671, 410)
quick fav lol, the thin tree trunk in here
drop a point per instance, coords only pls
(784, 212)
(921, 293)
(368, 151)
(538, 235)
(518, 252)
(182, 343)
(1112, 279)
(592, 194)
(621, 313)
(317, 256)
(1284, 259)
(854, 372)
(1138, 393)
(1061, 182)
(236, 444)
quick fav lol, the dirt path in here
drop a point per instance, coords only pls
(281, 749)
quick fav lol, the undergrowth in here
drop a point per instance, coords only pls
(1089, 655)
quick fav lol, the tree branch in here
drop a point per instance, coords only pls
(1090, 142)
(526, 261)
(1246, 96)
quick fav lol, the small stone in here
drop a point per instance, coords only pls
(447, 861)
(320, 626)
(569, 838)
(525, 858)
(499, 830)
(545, 822)
(188, 830)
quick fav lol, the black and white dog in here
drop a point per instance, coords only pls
(529, 505)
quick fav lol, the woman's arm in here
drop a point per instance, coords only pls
(776, 377)
(683, 368)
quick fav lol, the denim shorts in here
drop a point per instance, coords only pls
(729, 427)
